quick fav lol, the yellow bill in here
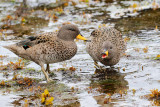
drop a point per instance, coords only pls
(106, 53)
(81, 37)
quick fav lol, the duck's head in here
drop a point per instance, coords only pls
(108, 50)
(70, 32)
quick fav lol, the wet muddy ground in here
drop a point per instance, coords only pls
(77, 82)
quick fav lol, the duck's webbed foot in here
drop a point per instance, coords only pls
(98, 66)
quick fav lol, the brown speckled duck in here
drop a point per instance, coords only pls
(49, 47)
(106, 46)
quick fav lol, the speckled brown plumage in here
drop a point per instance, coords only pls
(106, 39)
(49, 47)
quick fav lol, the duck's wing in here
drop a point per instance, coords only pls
(25, 47)
(34, 40)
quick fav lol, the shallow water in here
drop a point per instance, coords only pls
(141, 70)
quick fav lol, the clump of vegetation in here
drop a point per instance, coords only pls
(107, 99)
(67, 69)
(7, 20)
(155, 94)
(145, 50)
(2, 56)
(154, 97)
(72, 68)
(24, 81)
(17, 80)
(62, 69)
(46, 99)
(14, 66)
(29, 99)
(31, 71)
(157, 57)
(4, 84)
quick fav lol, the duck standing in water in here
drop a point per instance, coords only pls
(49, 47)
(106, 46)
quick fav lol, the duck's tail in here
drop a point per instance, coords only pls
(18, 50)
(13, 48)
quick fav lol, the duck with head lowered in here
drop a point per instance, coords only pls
(107, 46)
(47, 48)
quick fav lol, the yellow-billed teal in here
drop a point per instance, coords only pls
(106, 46)
(49, 47)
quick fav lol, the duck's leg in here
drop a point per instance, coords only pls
(97, 66)
(48, 69)
(44, 72)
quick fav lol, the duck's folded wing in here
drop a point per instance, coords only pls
(34, 40)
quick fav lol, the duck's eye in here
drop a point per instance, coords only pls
(72, 29)
(110, 47)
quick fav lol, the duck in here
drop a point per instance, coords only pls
(107, 46)
(48, 48)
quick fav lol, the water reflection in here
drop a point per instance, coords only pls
(109, 80)
(111, 84)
